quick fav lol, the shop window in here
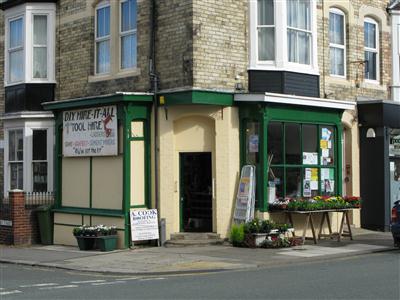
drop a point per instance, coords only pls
(39, 160)
(275, 144)
(308, 166)
(292, 142)
(16, 158)
(252, 142)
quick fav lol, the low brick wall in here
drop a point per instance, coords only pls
(18, 224)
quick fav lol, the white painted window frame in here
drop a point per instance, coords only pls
(27, 11)
(123, 34)
(10, 50)
(373, 50)
(103, 38)
(266, 62)
(281, 62)
(10, 162)
(27, 127)
(339, 46)
(40, 45)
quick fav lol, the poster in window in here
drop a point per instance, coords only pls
(253, 143)
(306, 188)
(310, 158)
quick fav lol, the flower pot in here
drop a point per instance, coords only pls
(107, 242)
(85, 242)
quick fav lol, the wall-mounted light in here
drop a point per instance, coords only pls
(371, 133)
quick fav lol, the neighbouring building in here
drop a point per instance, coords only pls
(159, 103)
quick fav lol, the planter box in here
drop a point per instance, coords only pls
(85, 242)
(254, 239)
(107, 242)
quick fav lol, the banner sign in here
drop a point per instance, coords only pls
(90, 131)
(144, 225)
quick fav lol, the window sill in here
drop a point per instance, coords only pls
(121, 74)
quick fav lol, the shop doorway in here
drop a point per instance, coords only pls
(196, 191)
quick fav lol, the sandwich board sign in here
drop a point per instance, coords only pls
(246, 195)
(144, 225)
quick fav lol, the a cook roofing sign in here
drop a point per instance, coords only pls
(90, 131)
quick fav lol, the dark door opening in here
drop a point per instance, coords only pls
(196, 192)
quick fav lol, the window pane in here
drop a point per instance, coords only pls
(336, 28)
(266, 43)
(16, 176)
(292, 143)
(310, 138)
(16, 66)
(292, 53)
(39, 145)
(103, 21)
(275, 182)
(39, 30)
(265, 9)
(293, 182)
(103, 57)
(299, 14)
(40, 62)
(128, 51)
(252, 142)
(128, 15)
(16, 39)
(328, 185)
(370, 66)
(310, 182)
(304, 48)
(327, 145)
(15, 145)
(39, 176)
(275, 142)
(369, 35)
(337, 61)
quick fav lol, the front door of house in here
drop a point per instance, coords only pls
(196, 192)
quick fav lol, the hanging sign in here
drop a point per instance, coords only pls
(144, 225)
(90, 131)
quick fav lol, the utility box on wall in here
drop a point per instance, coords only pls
(379, 120)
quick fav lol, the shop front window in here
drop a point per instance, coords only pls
(301, 160)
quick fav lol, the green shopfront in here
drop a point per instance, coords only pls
(295, 144)
(102, 163)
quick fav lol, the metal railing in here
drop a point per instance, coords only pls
(33, 199)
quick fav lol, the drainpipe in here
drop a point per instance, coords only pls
(154, 87)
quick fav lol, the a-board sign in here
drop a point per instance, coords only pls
(144, 225)
(90, 131)
(245, 199)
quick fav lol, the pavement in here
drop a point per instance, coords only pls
(193, 259)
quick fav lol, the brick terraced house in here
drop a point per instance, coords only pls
(125, 104)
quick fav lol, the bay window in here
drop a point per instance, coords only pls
(337, 42)
(30, 44)
(103, 39)
(371, 49)
(287, 42)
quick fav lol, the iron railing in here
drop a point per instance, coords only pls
(33, 199)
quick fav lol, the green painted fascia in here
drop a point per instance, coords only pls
(198, 97)
(90, 211)
(98, 100)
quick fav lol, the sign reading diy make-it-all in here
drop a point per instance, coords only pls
(90, 131)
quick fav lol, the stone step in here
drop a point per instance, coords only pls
(195, 236)
(188, 243)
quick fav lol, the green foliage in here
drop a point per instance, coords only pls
(96, 230)
(237, 235)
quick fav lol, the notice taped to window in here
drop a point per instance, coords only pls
(144, 225)
(90, 131)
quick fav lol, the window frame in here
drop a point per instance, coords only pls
(124, 34)
(343, 47)
(256, 40)
(97, 40)
(9, 50)
(373, 50)
(15, 161)
(33, 160)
